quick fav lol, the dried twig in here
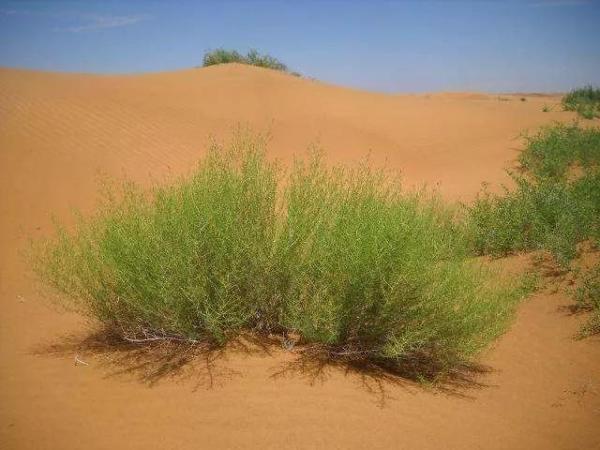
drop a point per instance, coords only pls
(153, 337)
(79, 361)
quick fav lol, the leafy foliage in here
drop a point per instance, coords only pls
(538, 215)
(344, 258)
(553, 207)
(585, 101)
(253, 58)
(555, 149)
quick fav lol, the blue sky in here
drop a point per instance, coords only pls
(402, 46)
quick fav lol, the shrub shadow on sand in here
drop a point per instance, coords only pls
(206, 365)
(148, 363)
(315, 364)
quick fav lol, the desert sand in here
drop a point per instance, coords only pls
(60, 132)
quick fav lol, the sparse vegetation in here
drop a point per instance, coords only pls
(253, 58)
(588, 297)
(539, 214)
(585, 101)
(343, 258)
(547, 210)
(555, 206)
(556, 149)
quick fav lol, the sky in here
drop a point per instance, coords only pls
(387, 46)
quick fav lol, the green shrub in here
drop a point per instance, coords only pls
(588, 297)
(190, 261)
(381, 273)
(552, 208)
(585, 101)
(222, 56)
(537, 215)
(256, 59)
(343, 258)
(253, 58)
(556, 148)
(546, 210)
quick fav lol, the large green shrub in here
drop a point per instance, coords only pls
(191, 260)
(343, 258)
(380, 273)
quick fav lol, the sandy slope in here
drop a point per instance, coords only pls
(59, 131)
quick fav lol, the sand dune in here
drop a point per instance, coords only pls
(58, 132)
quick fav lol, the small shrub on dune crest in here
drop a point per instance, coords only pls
(253, 58)
(343, 258)
(222, 56)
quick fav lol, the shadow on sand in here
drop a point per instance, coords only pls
(148, 363)
(206, 365)
(315, 364)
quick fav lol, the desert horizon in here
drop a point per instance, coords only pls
(550, 93)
